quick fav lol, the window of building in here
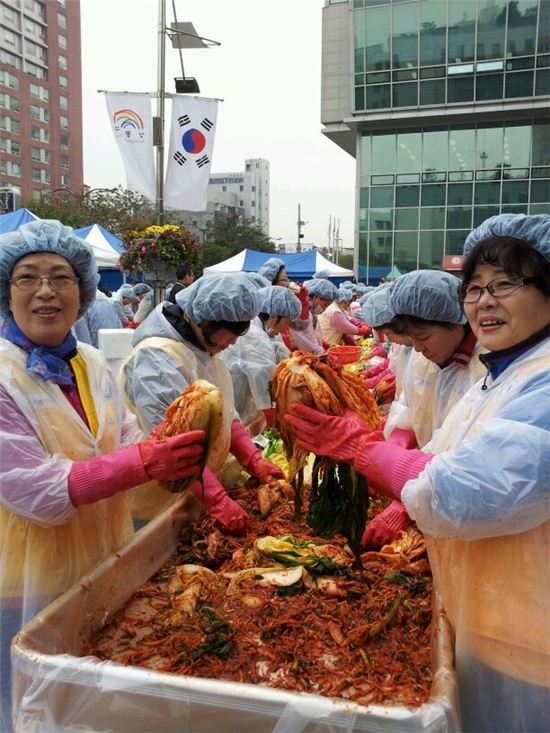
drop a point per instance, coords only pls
(64, 161)
(35, 7)
(12, 41)
(542, 86)
(10, 59)
(489, 86)
(36, 71)
(9, 15)
(35, 29)
(62, 61)
(35, 153)
(62, 41)
(9, 124)
(224, 188)
(241, 203)
(63, 82)
(519, 84)
(15, 147)
(64, 141)
(36, 174)
(9, 80)
(4, 167)
(63, 122)
(63, 102)
(65, 181)
(36, 51)
(491, 27)
(61, 20)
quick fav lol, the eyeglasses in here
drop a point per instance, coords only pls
(501, 287)
(32, 283)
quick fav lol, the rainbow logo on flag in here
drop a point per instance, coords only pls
(127, 118)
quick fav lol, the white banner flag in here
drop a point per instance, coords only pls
(192, 133)
(132, 125)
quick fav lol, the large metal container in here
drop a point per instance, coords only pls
(57, 689)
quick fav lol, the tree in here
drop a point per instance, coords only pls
(235, 232)
(117, 209)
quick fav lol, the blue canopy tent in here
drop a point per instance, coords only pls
(12, 221)
(299, 266)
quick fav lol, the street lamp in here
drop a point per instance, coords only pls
(300, 223)
(182, 35)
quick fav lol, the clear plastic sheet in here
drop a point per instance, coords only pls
(57, 689)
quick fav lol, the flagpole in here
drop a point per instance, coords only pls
(160, 113)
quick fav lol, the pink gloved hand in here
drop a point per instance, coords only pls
(377, 369)
(269, 415)
(172, 458)
(338, 438)
(249, 456)
(385, 527)
(377, 350)
(388, 467)
(262, 469)
(302, 297)
(402, 437)
(102, 476)
(219, 505)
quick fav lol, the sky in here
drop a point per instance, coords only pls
(268, 72)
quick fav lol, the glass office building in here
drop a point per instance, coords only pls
(447, 115)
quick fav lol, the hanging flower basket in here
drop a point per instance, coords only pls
(157, 251)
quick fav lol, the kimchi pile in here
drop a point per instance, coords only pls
(282, 608)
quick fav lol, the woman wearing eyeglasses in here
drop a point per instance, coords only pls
(480, 489)
(67, 443)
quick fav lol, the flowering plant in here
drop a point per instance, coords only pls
(159, 248)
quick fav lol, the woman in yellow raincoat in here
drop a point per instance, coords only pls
(67, 442)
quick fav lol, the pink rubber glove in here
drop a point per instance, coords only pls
(385, 527)
(302, 297)
(377, 350)
(102, 476)
(269, 415)
(249, 456)
(219, 505)
(377, 369)
(388, 467)
(338, 438)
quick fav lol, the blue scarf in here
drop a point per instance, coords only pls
(45, 361)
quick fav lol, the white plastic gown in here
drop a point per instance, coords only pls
(399, 357)
(251, 361)
(484, 505)
(46, 544)
(101, 314)
(428, 393)
(158, 369)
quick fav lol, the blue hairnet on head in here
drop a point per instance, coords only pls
(48, 235)
(308, 283)
(258, 280)
(376, 310)
(270, 268)
(126, 291)
(368, 290)
(534, 229)
(228, 297)
(345, 295)
(347, 284)
(324, 289)
(142, 288)
(278, 301)
(428, 294)
(322, 274)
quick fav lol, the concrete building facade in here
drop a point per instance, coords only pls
(445, 106)
(40, 96)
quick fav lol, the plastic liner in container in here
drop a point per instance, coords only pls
(56, 689)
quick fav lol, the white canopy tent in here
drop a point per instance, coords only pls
(301, 265)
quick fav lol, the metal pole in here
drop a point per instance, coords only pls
(160, 111)
(299, 244)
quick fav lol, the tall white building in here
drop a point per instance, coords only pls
(244, 192)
